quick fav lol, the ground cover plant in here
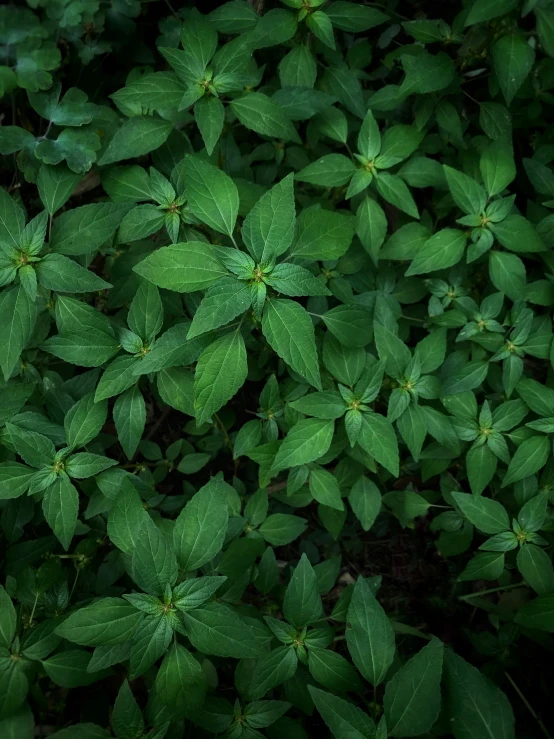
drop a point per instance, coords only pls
(276, 392)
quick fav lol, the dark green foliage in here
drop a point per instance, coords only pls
(276, 392)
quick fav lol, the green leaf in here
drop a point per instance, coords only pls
(536, 567)
(77, 147)
(486, 10)
(212, 195)
(280, 529)
(156, 91)
(426, 73)
(126, 518)
(394, 190)
(220, 372)
(60, 506)
(322, 234)
(529, 457)
(497, 166)
(487, 515)
(370, 638)
(349, 16)
(14, 479)
(517, 234)
(184, 267)
(331, 170)
(371, 227)
(537, 613)
(180, 683)
(365, 501)
(209, 114)
(129, 415)
(85, 464)
(513, 59)
(117, 377)
(268, 229)
(484, 566)
(127, 718)
(507, 273)
(442, 250)
(201, 526)
(325, 404)
(260, 114)
(343, 83)
(413, 696)
(351, 325)
(406, 505)
(17, 320)
(369, 137)
(82, 230)
(216, 629)
(272, 670)
(476, 707)
(302, 603)
(86, 348)
(324, 487)
(468, 195)
(153, 564)
(344, 719)
(106, 622)
(306, 441)
(137, 136)
(378, 439)
(59, 273)
(292, 280)
(332, 670)
(225, 300)
(84, 421)
(320, 25)
(481, 465)
(392, 351)
(8, 619)
(290, 332)
(69, 669)
(55, 185)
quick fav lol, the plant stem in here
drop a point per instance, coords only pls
(529, 707)
(224, 432)
(33, 611)
(74, 584)
(491, 590)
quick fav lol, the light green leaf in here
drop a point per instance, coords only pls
(106, 622)
(378, 439)
(212, 195)
(137, 136)
(201, 526)
(60, 506)
(259, 113)
(344, 719)
(530, 456)
(370, 638)
(184, 267)
(306, 441)
(268, 229)
(209, 114)
(153, 564)
(290, 332)
(220, 372)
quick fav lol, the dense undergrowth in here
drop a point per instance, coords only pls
(276, 395)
